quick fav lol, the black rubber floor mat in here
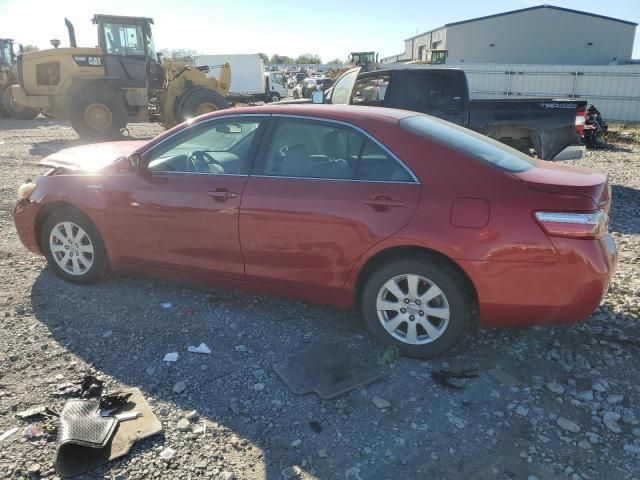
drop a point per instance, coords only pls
(72, 460)
(328, 369)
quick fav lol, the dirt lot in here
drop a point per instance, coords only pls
(549, 403)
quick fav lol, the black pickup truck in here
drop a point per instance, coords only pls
(548, 128)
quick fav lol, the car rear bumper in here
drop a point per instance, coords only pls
(527, 294)
(24, 217)
(572, 152)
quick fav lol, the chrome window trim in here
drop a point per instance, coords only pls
(370, 137)
(159, 172)
(335, 179)
(363, 132)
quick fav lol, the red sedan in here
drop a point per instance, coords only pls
(422, 226)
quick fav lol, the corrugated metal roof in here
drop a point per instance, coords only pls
(562, 9)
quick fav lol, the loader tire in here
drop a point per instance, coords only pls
(200, 101)
(14, 110)
(98, 114)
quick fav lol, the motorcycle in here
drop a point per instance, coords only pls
(594, 128)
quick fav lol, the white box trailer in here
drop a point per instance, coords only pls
(249, 81)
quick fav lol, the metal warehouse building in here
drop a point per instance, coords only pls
(538, 35)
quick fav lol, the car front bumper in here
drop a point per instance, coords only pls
(24, 217)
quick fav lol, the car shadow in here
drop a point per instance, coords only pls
(625, 210)
(121, 329)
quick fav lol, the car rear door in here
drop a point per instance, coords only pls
(321, 194)
(181, 213)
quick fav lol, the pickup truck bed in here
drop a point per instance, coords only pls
(542, 126)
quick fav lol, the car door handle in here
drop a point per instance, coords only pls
(383, 202)
(222, 194)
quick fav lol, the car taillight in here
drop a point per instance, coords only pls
(590, 225)
(581, 116)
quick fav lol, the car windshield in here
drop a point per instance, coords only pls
(469, 143)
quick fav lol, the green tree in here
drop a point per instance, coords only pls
(281, 59)
(178, 54)
(309, 58)
(336, 61)
(29, 48)
(264, 57)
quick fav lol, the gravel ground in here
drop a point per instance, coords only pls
(549, 403)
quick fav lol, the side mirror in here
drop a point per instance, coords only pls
(131, 163)
(317, 97)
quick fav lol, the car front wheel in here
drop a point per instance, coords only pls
(420, 306)
(73, 247)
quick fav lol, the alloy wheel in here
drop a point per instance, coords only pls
(413, 309)
(71, 248)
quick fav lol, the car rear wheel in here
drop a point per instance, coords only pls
(73, 247)
(419, 306)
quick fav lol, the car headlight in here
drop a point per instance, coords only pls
(25, 190)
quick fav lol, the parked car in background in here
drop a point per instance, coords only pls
(423, 227)
(548, 128)
(324, 83)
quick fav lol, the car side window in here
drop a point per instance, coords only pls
(312, 149)
(370, 91)
(325, 150)
(376, 165)
(217, 148)
(342, 88)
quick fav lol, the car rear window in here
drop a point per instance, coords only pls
(469, 143)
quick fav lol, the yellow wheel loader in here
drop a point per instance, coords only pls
(100, 90)
(7, 78)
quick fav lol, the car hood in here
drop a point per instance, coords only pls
(91, 158)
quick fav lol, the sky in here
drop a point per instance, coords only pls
(329, 28)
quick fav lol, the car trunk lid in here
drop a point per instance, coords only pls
(569, 180)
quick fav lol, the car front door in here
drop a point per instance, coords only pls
(181, 211)
(320, 195)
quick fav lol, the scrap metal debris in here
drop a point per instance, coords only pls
(8, 433)
(115, 400)
(445, 377)
(31, 412)
(170, 357)
(88, 387)
(202, 348)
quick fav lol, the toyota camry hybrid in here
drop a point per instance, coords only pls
(423, 227)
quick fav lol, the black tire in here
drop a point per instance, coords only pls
(99, 264)
(199, 98)
(453, 287)
(274, 97)
(111, 114)
(14, 110)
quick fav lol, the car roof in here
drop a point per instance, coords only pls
(348, 113)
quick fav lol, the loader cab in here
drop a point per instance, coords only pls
(129, 51)
(366, 60)
(7, 56)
